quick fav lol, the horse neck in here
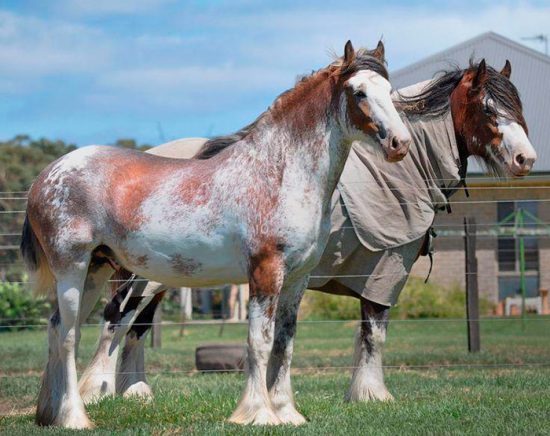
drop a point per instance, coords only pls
(314, 154)
(301, 134)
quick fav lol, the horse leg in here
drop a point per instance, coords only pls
(99, 378)
(255, 406)
(266, 280)
(367, 381)
(97, 277)
(59, 402)
(278, 373)
(131, 380)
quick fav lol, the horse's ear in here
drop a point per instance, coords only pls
(380, 52)
(480, 76)
(507, 70)
(349, 54)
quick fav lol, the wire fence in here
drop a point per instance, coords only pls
(18, 199)
(316, 369)
(315, 360)
(397, 203)
(331, 276)
(219, 321)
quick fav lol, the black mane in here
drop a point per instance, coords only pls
(435, 99)
(364, 60)
(215, 145)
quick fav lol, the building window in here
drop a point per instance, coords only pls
(509, 250)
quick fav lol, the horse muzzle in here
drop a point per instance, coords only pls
(522, 164)
(397, 147)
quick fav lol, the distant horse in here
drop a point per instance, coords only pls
(472, 112)
(256, 209)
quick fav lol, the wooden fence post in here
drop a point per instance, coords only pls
(544, 307)
(156, 330)
(472, 294)
(242, 308)
(186, 308)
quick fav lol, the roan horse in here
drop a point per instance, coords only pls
(484, 114)
(257, 210)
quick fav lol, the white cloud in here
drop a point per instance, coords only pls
(300, 36)
(31, 47)
(200, 59)
(110, 7)
(225, 78)
(197, 87)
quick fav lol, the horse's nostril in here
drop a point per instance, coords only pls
(520, 159)
(395, 144)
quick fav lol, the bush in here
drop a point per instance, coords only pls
(428, 300)
(19, 309)
(418, 300)
(318, 305)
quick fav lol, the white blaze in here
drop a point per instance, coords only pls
(515, 140)
(378, 95)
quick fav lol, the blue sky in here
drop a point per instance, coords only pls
(94, 71)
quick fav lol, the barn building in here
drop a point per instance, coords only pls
(492, 200)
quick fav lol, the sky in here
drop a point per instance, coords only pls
(90, 72)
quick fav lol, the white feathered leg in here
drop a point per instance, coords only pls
(59, 402)
(367, 381)
(99, 378)
(255, 406)
(131, 379)
(278, 373)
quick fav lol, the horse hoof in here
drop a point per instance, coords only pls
(80, 423)
(369, 394)
(92, 391)
(289, 415)
(75, 419)
(260, 416)
(139, 390)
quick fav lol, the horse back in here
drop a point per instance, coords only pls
(99, 185)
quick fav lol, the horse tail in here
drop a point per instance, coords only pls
(36, 262)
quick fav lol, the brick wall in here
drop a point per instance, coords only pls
(448, 268)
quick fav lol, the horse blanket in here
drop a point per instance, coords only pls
(381, 212)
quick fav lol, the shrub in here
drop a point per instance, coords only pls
(418, 300)
(428, 300)
(19, 309)
(318, 305)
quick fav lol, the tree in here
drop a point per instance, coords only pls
(21, 160)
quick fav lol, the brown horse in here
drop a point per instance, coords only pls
(479, 113)
(257, 209)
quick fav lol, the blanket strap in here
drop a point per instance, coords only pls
(463, 168)
(428, 249)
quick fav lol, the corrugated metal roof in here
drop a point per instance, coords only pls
(530, 74)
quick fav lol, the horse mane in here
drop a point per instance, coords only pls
(216, 145)
(434, 100)
(364, 60)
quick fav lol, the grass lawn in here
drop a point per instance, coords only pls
(505, 389)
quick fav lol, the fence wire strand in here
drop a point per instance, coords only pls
(226, 322)
(523, 365)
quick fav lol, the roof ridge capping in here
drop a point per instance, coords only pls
(486, 35)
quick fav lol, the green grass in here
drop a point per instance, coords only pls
(490, 397)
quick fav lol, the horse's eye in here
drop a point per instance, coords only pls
(360, 94)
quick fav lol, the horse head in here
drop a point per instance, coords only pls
(488, 120)
(367, 111)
